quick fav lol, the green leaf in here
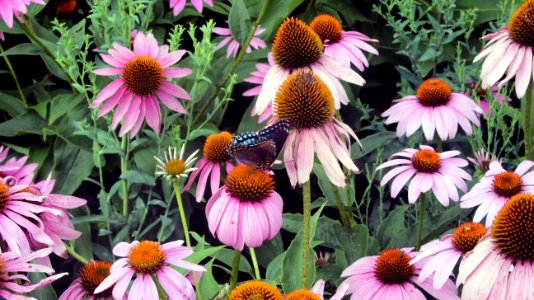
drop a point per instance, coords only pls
(71, 166)
(209, 285)
(12, 105)
(274, 269)
(46, 292)
(276, 12)
(135, 176)
(24, 49)
(392, 225)
(62, 104)
(370, 143)
(239, 21)
(269, 250)
(29, 122)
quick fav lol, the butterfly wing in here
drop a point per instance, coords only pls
(277, 132)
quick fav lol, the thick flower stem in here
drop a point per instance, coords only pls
(76, 255)
(255, 263)
(527, 134)
(235, 269)
(342, 213)
(124, 167)
(14, 75)
(236, 63)
(186, 230)
(421, 216)
(306, 213)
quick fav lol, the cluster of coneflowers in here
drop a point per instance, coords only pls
(300, 85)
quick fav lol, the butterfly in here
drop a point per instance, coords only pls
(259, 149)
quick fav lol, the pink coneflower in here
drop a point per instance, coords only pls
(441, 172)
(11, 8)
(306, 103)
(496, 187)
(501, 266)
(316, 292)
(434, 108)
(245, 210)
(178, 5)
(482, 95)
(215, 157)
(16, 168)
(15, 285)
(297, 46)
(233, 45)
(141, 83)
(148, 261)
(483, 159)
(343, 46)
(445, 253)
(391, 276)
(510, 51)
(58, 227)
(257, 77)
(89, 278)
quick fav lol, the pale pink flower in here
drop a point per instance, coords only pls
(215, 158)
(343, 46)
(15, 168)
(2, 37)
(150, 261)
(178, 5)
(246, 210)
(391, 276)
(443, 255)
(306, 103)
(296, 46)
(90, 276)
(440, 172)
(483, 159)
(501, 266)
(58, 227)
(434, 108)
(233, 45)
(257, 77)
(141, 83)
(482, 95)
(496, 187)
(14, 284)
(509, 51)
(10, 8)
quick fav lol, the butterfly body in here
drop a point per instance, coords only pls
(261, 148)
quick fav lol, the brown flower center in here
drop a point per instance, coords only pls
(426, 161)
(249, 184)
(92, 274)
(393, 267)
(521, 24)
(466, 236)
(175, 167)
(143, 75)
(216, 145)
(433, 92)
(255, 290)
(513, 228)
(296, 45)
(327, 27)
(304, 101)
(146, 257)
(302, 295)
(507, 184)
(4, 195)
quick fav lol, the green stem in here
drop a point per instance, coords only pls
(236, 63)
(235, 269)
(420, 221)
(526, 118)
(76, 255)
(341, 208)
(14, 75)
(306, 211)
(124, 167)
(255, 263)
(186, 230)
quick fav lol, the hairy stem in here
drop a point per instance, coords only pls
(342, 213)
(306, 212)
(124, 167)
(76, 255)
(526, 118)
(421, 215)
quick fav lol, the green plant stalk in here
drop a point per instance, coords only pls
(76, 255)
(255, 263)
(235, 269)
(526, 118)
(341, 208)
(124, 167)
(186, 229)
(236, 63)
(14, 75)
(420, 222)
(306, 213)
